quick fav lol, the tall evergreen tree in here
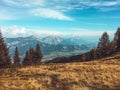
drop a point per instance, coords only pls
(16, 58)
(103, 45)
(112, 47)
(117, 38)
(27, 60)
(32, 54)
(38, 55)
(104, 40)
(5, 60)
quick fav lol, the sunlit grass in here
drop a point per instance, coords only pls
(99, 74)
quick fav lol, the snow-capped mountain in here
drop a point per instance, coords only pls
(51, 46)
(53, 40)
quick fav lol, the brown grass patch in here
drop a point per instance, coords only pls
(95, 75)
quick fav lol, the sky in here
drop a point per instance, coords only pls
(59, 17)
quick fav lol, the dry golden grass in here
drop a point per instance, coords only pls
(103, 74)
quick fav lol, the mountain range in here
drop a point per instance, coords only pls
(51, 46)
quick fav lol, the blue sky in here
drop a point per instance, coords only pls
(80, 17)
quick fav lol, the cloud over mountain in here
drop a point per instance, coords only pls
(16, 31)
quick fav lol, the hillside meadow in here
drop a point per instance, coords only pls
(101, 74)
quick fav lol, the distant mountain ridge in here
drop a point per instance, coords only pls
(51, 46)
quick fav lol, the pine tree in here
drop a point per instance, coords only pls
(16, 58)
(103, 45)
(5, 60)
(32, 54)
(38, 55)
(104, 40)
(113, 47)
(27, 60)
(117, 38)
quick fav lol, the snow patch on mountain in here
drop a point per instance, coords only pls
(52, 40)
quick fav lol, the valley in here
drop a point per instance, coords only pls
(51, 46)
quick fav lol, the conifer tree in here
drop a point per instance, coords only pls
(32, 54)
(117, 38)
(27, 60)
(5, 60)
(113, 47)
(16, 58)
(103, 45)
(38, 55)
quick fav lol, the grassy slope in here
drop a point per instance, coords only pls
(94, 75)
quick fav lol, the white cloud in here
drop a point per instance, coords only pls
(24, 3)
(50, 13)
(62, 4)
(47, 32)
(40, 8)
(15, 31)
(102, 3)
(83, 4)
(86, 32)
(54, 9)
(89, 33)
